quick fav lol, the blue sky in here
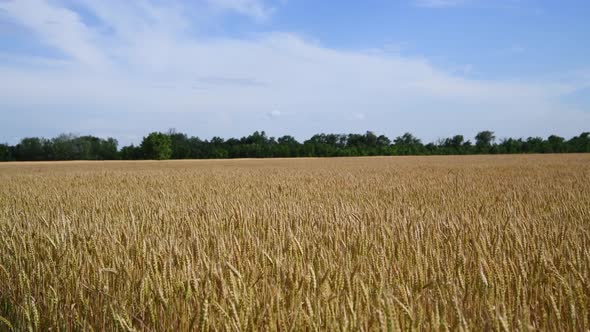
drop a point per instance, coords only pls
(228, 67)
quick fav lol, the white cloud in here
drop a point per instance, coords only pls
(141, 62)
(56, 27)
(257, 9)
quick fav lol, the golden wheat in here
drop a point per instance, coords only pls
(400, 243)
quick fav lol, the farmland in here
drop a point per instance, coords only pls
(390, 243)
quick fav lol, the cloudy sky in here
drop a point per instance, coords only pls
(228, 67)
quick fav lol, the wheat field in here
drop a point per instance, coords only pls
(384, 243)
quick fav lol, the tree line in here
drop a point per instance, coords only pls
(174, 145)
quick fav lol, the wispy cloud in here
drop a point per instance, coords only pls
(57, 27)
(257, 9)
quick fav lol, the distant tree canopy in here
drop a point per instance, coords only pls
(174, 145)
(156, 146)
(62, 147)
(484, 140)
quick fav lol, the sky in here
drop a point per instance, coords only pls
(435, 68)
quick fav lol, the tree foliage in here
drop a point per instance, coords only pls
(484, 140)
(157, 146)
(176, 145)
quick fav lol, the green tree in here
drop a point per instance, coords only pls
(556, 144)
(287, 140)
(484, 140)
(5, 152)
(452, 145)
(407, 144)
(287, 146)
(383, 141)
(64, 147)
(511, 145)
(370, 139)
(181, 148)
(580, 143)
(455, 141)
(157, 146)
(31, 148)
(131, 152)
(534, 145)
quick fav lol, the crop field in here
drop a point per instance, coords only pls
(383, 243)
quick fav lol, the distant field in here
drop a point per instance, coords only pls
(390, 243)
